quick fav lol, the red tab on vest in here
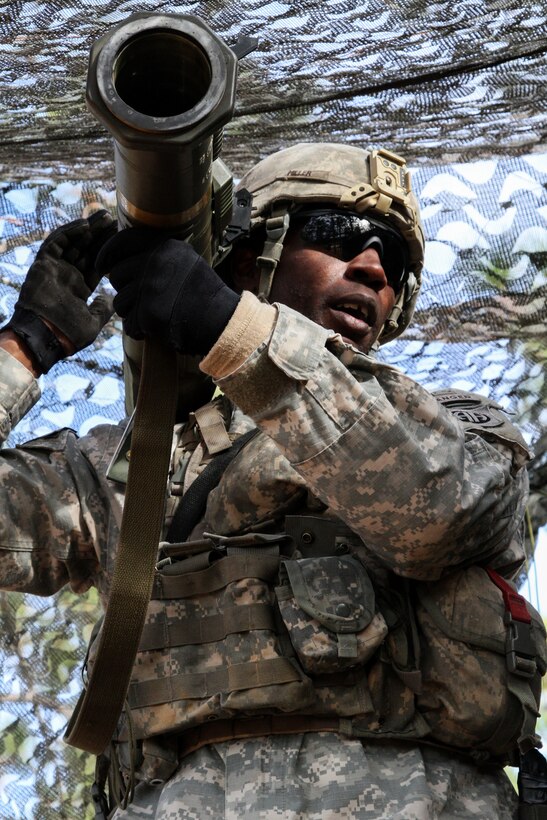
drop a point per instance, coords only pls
(514, 603)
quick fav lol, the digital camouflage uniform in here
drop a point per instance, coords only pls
(343, 437)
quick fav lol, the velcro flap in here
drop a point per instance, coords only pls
(335, 590)
(297, 344)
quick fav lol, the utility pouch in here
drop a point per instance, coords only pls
(328, 606)
(484, 653)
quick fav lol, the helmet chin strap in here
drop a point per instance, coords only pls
(276, 230)
(392, 320)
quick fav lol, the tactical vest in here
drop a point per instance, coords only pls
(271, 617)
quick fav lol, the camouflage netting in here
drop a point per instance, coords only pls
(459, 89)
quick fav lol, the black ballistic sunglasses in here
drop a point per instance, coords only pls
(346, 235)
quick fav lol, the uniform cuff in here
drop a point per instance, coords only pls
(19, 391)
(250, 326)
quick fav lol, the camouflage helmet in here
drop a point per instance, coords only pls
(346, 177)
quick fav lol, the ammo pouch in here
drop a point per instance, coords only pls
(328, 607)
(481, 666)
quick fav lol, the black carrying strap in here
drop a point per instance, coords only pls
(192, 505)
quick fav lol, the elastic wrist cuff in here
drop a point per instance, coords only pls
(43, 344)
(251, 324)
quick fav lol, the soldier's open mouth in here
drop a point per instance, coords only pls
(352, 318)
(353, 309)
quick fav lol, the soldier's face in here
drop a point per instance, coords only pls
(353, 298)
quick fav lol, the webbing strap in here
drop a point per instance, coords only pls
(250, 675)
(520, 659)
(98, 709)
(219, 731)
(207, 629)
(520, 688)
(218, 575)
(212, 428)
(276, 230)
(192, 506)
(514, 603)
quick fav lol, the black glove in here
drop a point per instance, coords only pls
(57, 287)
(166, 290)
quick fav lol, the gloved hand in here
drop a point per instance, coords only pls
(58, 284)
(166, 290)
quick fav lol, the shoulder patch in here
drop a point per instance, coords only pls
(471, 408)
(482, 415)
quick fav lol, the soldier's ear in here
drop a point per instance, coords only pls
(245, 275)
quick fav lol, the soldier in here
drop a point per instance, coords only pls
(336, 637)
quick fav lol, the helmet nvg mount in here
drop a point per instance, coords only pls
(376, 182)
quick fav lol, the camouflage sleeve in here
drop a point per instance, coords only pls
(19, 391)
(424, 492)
(53, 516)
(52, 507)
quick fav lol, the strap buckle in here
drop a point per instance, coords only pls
(276, 229)
(520, 651)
